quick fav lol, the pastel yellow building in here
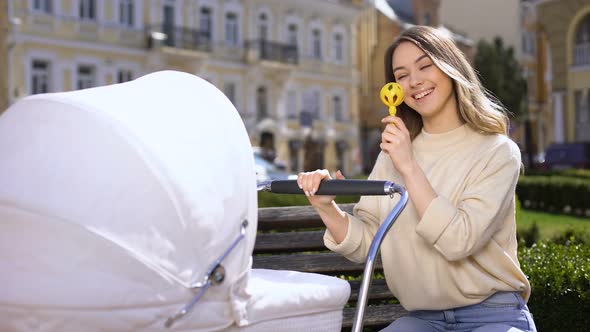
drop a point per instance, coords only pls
(564, 26)
(289, 67)
(4, 28)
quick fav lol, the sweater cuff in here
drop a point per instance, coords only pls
(438, 215)
(352, 240)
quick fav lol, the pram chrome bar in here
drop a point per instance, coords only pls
(357, 324)
(353, 187)
(214, 276)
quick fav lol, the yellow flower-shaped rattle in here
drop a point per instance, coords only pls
(392, 95)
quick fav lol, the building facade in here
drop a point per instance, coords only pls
(289, 67)
(484, 19)
(4, 30)
(536, 62)
(563, 29)
(552, 40)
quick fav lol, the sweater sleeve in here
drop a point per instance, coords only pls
(458, 231)
(362, 224)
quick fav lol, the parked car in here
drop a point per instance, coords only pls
(567, 155)
(265, 170)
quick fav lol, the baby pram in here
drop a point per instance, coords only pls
(132, 207)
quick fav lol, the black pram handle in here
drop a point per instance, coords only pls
(335, 187)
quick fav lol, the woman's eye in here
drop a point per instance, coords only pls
(426, 66)
(400, 77)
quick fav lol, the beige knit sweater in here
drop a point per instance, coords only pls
(464, 247)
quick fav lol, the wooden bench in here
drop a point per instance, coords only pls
(291, 238)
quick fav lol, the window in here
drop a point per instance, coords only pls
(126, 13)
(86, 77)
(427, 19)
(262, 27)
(582, 106)
(338, 47)
(261, 103)
(311, 103)
(316, 45)
(582, 47)
(39, 76)
(206, 23)
(528, 43)
(44, 6)
(231, 29)
(229, 89)
(87, 9)
(292, 34)
(337, 105)
(341, 148)
(291, 104)
(124, 76)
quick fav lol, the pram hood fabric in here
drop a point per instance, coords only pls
(113, 195)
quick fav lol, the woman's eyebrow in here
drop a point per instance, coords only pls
(419, 58)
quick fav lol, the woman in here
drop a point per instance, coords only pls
(451, 256)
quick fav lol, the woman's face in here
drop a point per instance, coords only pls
(428, 90)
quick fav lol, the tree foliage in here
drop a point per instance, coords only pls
(501, 74)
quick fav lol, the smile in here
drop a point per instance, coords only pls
(423, 94)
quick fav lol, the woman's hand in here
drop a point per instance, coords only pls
(309, 182)
(396, 142)
(333, 217)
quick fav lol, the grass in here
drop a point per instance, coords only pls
(551, 225)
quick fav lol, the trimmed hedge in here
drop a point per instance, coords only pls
(560, 280)
(573, 173)
(555, 193)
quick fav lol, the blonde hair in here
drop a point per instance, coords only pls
(477, 107)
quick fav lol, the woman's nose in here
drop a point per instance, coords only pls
(415, 80)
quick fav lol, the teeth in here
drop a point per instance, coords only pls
(423, 94)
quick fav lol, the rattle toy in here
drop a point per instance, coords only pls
(392, 95)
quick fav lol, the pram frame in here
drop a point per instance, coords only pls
(353, 187)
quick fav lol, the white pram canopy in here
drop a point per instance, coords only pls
(115, 200)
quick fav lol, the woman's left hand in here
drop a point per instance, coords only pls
(396, 142)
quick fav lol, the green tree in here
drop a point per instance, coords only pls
(501, 74)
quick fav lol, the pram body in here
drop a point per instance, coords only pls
(116, 201)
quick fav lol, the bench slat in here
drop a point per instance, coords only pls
(377, 291)
(289, 242)
(381, 315)
(326, 263)
(292, 217)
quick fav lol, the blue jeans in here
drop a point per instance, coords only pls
(501, 312)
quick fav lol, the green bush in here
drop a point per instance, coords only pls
(555, 193)
(528, 236)
(572, 236)
(560, 280)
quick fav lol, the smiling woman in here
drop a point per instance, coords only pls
(450, 258)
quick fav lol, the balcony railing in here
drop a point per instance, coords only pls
(273, 51)
(179, 37)
(582, 54)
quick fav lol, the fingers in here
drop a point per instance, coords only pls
(309, 182)
(339, 175)
(397, 121)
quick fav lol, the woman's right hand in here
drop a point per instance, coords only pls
(309, 182)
